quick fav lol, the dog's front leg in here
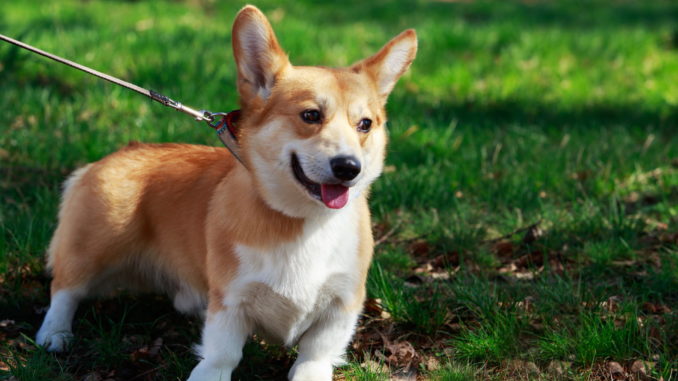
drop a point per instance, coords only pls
(223, 338)
(323, 346)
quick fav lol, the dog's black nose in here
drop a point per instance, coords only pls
(345, 167)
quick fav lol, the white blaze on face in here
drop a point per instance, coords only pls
(270, 153)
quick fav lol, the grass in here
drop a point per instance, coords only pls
(528, 208)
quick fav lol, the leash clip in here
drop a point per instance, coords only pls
(211, 118)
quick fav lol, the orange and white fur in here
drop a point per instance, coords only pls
(279, 246)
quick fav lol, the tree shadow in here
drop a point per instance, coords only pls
(535, 113)
(530, 14)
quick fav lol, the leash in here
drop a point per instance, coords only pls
(222, 122)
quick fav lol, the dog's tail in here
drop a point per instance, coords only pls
(66, 196)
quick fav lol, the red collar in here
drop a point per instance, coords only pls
(229, 122)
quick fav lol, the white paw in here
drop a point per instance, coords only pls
(311, 371)
(54, 341)
(205, 372)
(55, 332)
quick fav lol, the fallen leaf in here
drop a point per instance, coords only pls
(146, 352)
(405, 375)
(531, 367)
(420, 248)
(410, 130)
(534, 258)
(402, 354)
(441, 275)
(611, 304)
(432, 363)
(559, 368)
(94, 376)
(389, 169)
(503, 248)
(654, 308)
(640, 368)
(508, 269)
(615, 369)
(373, 307)
(155, 347)
(524, 275)
(580, 176)
(521, 366)
(556, 266)
(526, 304)
(374, 367)
(533, 233)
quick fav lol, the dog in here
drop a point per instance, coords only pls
(279, 245)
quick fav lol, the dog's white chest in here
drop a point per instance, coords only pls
(285, 290)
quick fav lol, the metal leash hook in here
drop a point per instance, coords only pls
(216, 124)
(202, 115)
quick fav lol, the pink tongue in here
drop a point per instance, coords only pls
(335, 196)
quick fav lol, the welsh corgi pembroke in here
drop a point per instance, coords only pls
(277, 245)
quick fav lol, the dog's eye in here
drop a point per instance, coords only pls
(364, 125)
(311, 116)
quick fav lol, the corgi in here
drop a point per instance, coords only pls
(277, 245)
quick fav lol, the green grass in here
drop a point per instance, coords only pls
(513, 113)
(454, 372)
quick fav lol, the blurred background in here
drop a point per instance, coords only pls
(527, 219)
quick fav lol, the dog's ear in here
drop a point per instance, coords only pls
(390, 62)
(259, 57)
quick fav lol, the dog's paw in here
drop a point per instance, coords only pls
(311, 371)
(205, 372)
(54, 341)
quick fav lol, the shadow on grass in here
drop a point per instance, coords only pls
(536, 114)
(127, 337)
(532, 14)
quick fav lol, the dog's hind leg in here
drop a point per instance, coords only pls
(55, 332)
(74, 275)
(76, 256)
(79, 267)
(77, 274)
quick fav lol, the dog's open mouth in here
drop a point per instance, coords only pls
(334, 196)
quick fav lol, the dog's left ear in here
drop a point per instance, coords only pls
(391, 62)
(258, 55)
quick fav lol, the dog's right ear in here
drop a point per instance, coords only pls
(259, 57)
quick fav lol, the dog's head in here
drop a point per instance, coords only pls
(313, 137)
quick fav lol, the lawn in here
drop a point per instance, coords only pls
(527, 219)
